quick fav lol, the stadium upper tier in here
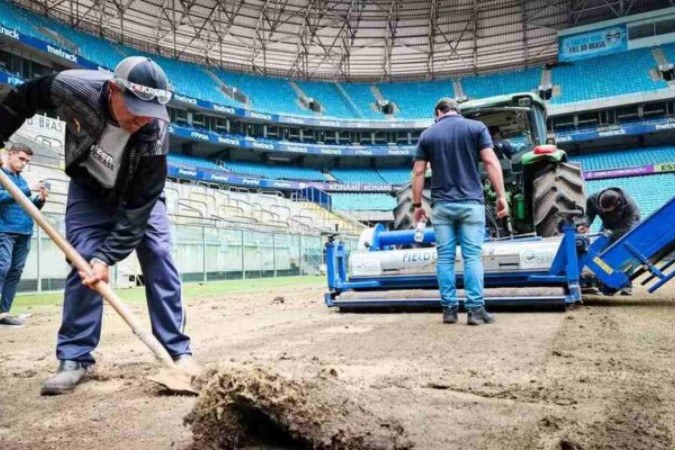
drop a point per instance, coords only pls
(585, 80)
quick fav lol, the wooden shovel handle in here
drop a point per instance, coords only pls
(80, 264)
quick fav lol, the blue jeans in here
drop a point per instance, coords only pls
(13, 253)
(463, 222)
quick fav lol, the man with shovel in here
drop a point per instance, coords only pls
(115, 154)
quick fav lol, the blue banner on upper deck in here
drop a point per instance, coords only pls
(593, 43)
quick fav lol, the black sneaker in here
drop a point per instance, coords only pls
(476, 316)
(450, 314)
(69, 375)
(11, 320)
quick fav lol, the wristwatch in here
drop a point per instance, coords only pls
(416, 205)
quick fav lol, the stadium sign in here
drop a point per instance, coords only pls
(192, 173)
(624, 130)
(62, 53)
(630, 171)
(200, 136)
(279, 146)
(10, 33)
(185, 99)
(224, 109)
(593, 43)
(9, 79)
(228, 141)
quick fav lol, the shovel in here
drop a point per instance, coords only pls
(172, 377)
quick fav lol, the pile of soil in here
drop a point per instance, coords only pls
(253, 408)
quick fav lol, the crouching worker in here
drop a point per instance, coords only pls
(618, 212)
(16, 229)
(115, 155)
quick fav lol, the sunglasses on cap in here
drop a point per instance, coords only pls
(144, 92)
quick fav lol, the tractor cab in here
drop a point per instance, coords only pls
(538, 180)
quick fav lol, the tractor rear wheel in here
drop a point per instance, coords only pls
(556, 187)
(403, 213)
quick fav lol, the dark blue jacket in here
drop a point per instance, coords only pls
(13, 219)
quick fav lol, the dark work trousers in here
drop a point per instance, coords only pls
(88, 223)
(14, 250)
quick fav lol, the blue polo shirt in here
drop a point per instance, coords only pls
(452, 146)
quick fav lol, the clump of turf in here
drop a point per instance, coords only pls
(253, 408)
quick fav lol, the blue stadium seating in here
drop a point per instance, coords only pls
(268, 94)
(191, 79)
(330, 98)
(368, 176)
(363, 202)
(362, 96)
(606, 76)
(625, 158)
(274, 171)
(192, 162)
(396, 175)
(501, 83)
(416, 100)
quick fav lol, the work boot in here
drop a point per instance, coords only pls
(478, 315)
(70, 373)
(11, 320)
(189, 364)
(450, 314)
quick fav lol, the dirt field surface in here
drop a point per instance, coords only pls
(594, 377)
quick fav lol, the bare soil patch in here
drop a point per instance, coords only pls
(597, 376)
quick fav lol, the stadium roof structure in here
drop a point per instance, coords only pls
(343, 39)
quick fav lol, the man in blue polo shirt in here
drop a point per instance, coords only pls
(454, 146)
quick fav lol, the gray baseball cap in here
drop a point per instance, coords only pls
(145, 85)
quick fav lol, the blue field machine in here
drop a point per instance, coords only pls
(389, 269)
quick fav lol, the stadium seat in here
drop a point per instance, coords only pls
(625, 158)
(501, 83)
(327, 94)
(285, 172)
(362, 95)
(416, 100)
(363, 202)
(606, 76)
(366, 176)
(267, 94)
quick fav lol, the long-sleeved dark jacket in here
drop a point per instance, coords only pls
(80, 98)
(619, 222)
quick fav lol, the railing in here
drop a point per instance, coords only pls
(202, 251)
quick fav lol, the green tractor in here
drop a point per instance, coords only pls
(538, 179)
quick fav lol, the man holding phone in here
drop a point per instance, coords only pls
(16, 229)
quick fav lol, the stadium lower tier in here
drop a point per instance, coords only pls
(597, 161)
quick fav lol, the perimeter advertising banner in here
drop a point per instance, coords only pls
(593, 43)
